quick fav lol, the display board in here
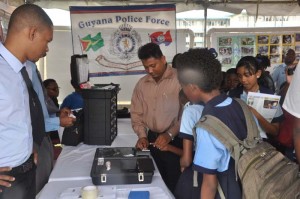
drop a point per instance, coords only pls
(232, 46)
(111, 35)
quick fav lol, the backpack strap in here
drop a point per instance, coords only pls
(221, 131)
(217, 128)
(253, 136)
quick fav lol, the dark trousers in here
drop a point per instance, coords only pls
(24, 185)
(45, 163)
(167, 163)
(185, 186)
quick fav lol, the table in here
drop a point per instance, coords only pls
(73, 166)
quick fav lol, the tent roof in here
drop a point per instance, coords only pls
(253, 7)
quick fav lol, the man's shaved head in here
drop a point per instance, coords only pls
(28, 15)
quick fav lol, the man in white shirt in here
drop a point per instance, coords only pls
(29, 31)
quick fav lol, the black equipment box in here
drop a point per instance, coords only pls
(100, 114)
(121, 165)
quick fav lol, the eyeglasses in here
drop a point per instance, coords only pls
(53, 89)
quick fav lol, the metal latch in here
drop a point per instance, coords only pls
(141, 177)
(103, 178)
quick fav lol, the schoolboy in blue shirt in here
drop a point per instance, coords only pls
(199, 73)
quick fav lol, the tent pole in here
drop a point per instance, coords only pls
(205, 24)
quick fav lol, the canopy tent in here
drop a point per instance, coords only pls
(253, 7)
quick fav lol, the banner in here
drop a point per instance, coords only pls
(112, 35)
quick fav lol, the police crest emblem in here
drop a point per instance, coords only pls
(124, 42)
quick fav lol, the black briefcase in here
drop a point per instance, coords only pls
(122, 165)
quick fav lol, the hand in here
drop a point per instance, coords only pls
(35, 157)
(289, 78)
(254, 111)
(142, 143)
(65, 112)
(165, 148)
(5, 179)
(162, 140)
(65, 119)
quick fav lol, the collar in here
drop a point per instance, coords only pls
(209, 106)
(12, 61)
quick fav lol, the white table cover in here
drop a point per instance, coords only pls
(73, 166)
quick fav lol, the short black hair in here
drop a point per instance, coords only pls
(173, 60)
(29, 15)
(47, 82)
(199, 66)
(231, 71)
(149, 50)
(290, 57)
(250, 63)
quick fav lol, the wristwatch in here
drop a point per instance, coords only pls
(170, 134)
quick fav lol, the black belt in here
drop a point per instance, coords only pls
(23, 168)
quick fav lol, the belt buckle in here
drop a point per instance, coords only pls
(27, 166)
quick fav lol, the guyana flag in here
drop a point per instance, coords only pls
(88, 42)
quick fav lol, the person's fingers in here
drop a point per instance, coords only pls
(3, 169)
(5, 180)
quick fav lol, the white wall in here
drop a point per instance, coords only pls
(56, 65)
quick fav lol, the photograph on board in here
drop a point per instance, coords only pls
(247, 51)
(297, 37)
(274, 49)
(263, 50)
(262, 39)
(225, 51)
(275, 39)
(226, 60)
(274, 59)
(286, 39)
(247, 41)
(225, 41)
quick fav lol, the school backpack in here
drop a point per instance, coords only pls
(263, 171)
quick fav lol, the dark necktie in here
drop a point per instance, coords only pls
(36, 111)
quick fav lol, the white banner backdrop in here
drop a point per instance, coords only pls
(111, 35)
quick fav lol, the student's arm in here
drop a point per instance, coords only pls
(270, 128)
(186, 158)
(209, 186)
(297, 138)
(172, 149)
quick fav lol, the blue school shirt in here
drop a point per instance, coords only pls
(211, 156)
(191, 114)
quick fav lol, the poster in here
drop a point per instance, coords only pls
(275, 46)
(112, 35)
(297, 45)
(231, 49)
